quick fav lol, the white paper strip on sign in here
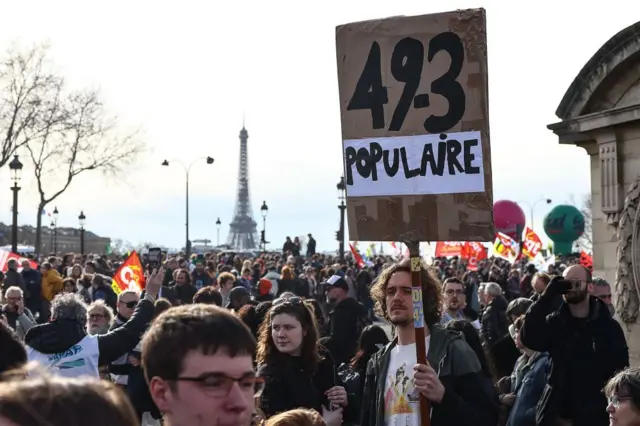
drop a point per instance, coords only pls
(414, 165)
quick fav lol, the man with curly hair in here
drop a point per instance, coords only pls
(451, 380)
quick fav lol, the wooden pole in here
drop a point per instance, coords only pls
(418, 321)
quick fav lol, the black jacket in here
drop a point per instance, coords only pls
(344, 330)
(495, 325)
(467, 400)
(59, 335)
(288, 386)
(584, 355)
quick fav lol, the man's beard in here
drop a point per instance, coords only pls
(575, 298)
(98, 330)
(400, 322)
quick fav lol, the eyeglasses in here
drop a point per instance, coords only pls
(451, 292)
(291, 300)
(615, 400)
(96, 316)
(576, 284)
(132, 304)
(219, 384)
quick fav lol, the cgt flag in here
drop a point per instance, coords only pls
(129, 276)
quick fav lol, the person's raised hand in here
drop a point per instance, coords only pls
(154, 282)
(20, 306)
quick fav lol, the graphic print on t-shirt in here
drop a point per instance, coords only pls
(401, 396)
(401, 400)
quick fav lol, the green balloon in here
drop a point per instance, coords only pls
(564, 224)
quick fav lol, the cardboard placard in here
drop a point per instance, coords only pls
(415, 127)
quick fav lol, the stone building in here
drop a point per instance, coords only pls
(600, 112)
(66, 240)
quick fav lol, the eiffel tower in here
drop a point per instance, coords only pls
(242, 229)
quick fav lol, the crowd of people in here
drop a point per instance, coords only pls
(291, 339)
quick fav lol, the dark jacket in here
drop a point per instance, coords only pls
(106, 293)
(584, 354)
(466, 400)
(495, 325)
(288, 386)
(12, 278)
(184, 294)
(201, 279)
(344, 330)
(121, 366)
(33, 289)
(557, 301)
(311, 246)
(59, 335)
(523, 412)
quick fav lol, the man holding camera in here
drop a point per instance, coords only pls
(586, 347)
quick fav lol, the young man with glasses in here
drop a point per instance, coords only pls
(198, 360)
(454, 302)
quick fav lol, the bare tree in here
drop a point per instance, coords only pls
(72, 134)
(24, 82)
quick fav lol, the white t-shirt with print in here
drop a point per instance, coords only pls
(401, 400)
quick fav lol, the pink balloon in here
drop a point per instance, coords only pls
(508, 218)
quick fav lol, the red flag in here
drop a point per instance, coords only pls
(530, 245)
(448, 248)
(474, 252)
(356, 256)
(129, 276)
(6, 256)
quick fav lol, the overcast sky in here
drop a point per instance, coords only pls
(187, 71)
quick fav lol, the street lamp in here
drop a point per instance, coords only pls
(533, 206)
(263, 239)
(16, 170)
(218, 223)
(82, 218)
(342, 187)
(187, 169)
(52, 226)
(55, 229)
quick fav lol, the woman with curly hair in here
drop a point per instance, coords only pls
(452, 379)
(296, 373)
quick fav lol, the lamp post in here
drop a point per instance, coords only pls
(52, 226)
(263, 238)
(342, 187)
(218, 223)
(533, 206)
(187, 169)
(55, 229)
(82, 218)
(16, 170)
